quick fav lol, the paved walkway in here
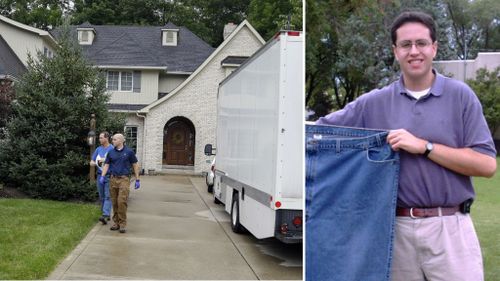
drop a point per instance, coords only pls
(173, 233)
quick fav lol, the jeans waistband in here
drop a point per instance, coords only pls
(326, 136)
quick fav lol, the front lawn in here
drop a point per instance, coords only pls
(486, 215)
(35, 235)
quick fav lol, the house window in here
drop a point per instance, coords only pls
(131, 137)
(120, 81)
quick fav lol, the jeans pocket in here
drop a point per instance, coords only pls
(382, 154)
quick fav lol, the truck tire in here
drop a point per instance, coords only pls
(235, 215)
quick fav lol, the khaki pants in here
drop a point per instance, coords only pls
(436, 249)
(119, 189)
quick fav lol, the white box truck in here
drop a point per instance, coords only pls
(260, 155)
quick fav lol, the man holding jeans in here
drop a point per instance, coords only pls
(98, 159)
(438, 126)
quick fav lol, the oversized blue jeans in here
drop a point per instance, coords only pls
(104, 197)
(351, 193)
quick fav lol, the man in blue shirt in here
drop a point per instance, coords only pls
(118, 164)
(98, 159)
(438, 126)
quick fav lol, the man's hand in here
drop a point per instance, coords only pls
(402, 139)
(137, 184)
(101, 180)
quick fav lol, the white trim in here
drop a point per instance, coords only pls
(231, 64)
(28, 28)
(132, 67)
(165, 32)
(180, 72)
(204, 64)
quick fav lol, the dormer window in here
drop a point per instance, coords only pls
(169, 37)
(86, 36)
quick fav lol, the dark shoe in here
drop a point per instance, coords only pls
(123, 230)
(103, 220)
(114, 227)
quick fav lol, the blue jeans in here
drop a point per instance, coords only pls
(104, 197)
(351, 193)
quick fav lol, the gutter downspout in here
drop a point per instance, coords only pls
(143, 140)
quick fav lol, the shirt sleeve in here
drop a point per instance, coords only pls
(94, 155)
(132, 158)
(108, 158)
(477, 135)
(351, 115)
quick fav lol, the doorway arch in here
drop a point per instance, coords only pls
(178, 142)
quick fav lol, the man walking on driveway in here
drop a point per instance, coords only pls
(118, 164)
(98, 159)
(438, 126)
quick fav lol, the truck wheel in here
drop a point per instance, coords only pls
(235, 215)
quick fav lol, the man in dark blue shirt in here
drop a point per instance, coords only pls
(118, 164)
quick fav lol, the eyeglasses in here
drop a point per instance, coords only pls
(406, 45)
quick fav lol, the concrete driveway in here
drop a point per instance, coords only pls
(175, 231)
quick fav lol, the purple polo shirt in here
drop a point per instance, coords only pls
(449, 114)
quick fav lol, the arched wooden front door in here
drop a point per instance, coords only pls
(178, 142)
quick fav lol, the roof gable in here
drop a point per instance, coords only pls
(245, 23)
(10, 64)
(42, 33)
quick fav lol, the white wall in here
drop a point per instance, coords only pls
(168, 82)
(23, 42)
(464, 70)
(148, 94)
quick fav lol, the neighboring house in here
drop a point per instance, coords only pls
(17, 42)
(165, 79)
(25, 40)
(466, 69)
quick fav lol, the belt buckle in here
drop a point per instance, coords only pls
(411, 214)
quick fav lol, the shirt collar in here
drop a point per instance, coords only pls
(436, 88)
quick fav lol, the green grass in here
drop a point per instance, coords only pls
(35, 235)
(486, 215)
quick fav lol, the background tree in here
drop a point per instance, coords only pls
(43, 14)
(270, 16)
(45, 153)
(487, 88)
(7, 95)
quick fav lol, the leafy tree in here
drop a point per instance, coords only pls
(269, 16)
(7, 95)
(487, 87)
(45, 153)
(43, 14)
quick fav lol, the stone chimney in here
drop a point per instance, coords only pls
(228, 29)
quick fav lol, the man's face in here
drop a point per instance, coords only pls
(103, 140)
(414, 50)
(117, 141)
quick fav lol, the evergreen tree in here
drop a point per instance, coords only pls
(45, 153)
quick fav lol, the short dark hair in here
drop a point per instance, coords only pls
(105, 133)
(413, 16)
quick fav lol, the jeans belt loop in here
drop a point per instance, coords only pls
(379, 141)
(440, 212)
(337, 146)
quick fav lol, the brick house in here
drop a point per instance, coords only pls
(165, 79)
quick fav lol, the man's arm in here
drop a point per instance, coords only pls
(105, 169)
(136, 170)
(465, 161)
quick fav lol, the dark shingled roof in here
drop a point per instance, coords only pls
(142, 46)
(125, 107)
(233, 60)
(10, 64)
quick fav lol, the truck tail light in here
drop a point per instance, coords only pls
(297, 221)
